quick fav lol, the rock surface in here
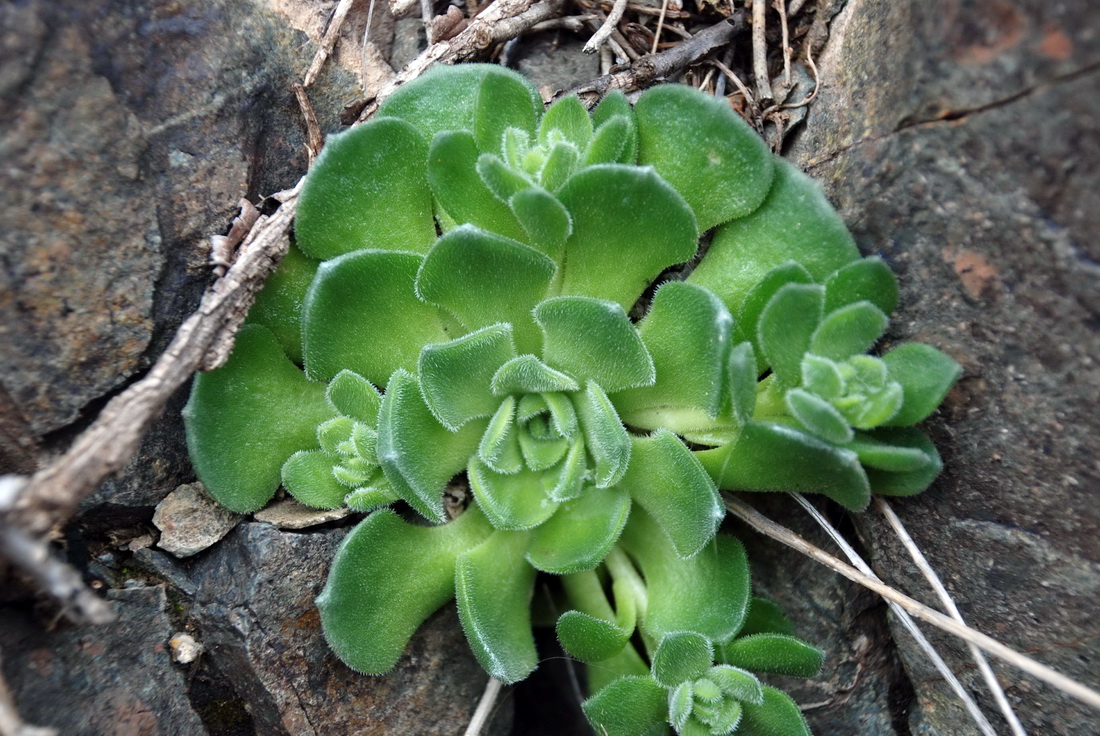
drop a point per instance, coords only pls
(254, 608)
(115, 679)
(190, 521)
(959, 141)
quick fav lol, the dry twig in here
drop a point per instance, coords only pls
(760, 53)
(605, 30)
(660, 26)
(906, 620)
(328, 41)
(650, 68)
(953, 610)
(314, 139)
(484, 707)
(499, 22)
(1037, 669)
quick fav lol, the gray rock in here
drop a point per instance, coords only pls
(113, 680)
(190, 521)
(255, 613)
(960, 143)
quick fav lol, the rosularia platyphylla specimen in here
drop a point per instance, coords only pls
(385, 359)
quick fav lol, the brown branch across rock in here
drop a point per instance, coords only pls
(653, 67)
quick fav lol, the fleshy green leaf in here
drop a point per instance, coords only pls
(455, 375)
(903, 483)
(246, 418)
(742, 374)
(615, 104)
(671, 485)
(493, 586)
(772, 457)
(504, 100)
(560, 165)
(362, 314)
(544, 219)
(629, 706)
(707, 594)
(562, 414)
(868, 279)
(628, 226)
(541, 453)
(278, 306)
(580, 533)
(737, 683)
(795, 223)
(786, 327)
(881, 455)
(447, 97)
(368, 189)
(484, 279)
(849, 330)
(370, 498)
(700, 146)
(594, 340)
(566, 481)
(604, 435)
(417, 453)
(818, 416)
(822, 376)
(354, 396)
(501, 180)
(588, 638)
(687, 334)
(499, 447)
(609, 142)
(567, 116)
(459, 188)
(681, 656)
(766, 617)
(307, 475)
(527, 374)
(925, 375)
(595, 632)
(775, 654)
(680, 703)
(517, 501)
(386, 578)
(777, 716)
(334, 435)
(748, 320)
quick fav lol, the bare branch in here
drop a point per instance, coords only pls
(649, 69)
(499, 22)
(328, 41)
(484, 707)
(906, 620)
(1050, 676)
(760, 53)
(605, 30)
(953, 610)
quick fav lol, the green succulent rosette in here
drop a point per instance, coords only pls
(458, 304)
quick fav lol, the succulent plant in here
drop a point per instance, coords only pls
(526, 287)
